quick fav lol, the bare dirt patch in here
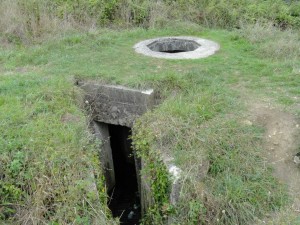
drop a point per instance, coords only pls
(281, 143)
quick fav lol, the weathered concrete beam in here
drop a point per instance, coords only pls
(116, 104)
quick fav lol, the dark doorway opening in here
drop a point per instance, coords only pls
(124, 201)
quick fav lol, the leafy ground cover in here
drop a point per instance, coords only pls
(48, 155)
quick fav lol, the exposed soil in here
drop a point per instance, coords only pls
(281, 142)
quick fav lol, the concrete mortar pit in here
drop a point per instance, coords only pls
(181, 47)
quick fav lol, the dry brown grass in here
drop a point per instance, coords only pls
(24, 22)
(274, 42)
(27, 20)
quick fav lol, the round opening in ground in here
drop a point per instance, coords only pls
(173, 45)
(182, 47)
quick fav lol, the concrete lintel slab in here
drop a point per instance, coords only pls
(117, 104)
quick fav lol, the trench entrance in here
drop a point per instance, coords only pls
(124, 199)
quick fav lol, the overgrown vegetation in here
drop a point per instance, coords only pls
(47, 161)
(156, 175)
(236, 189)
(27, 20)
(48, 158)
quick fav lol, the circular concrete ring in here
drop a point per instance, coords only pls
(204, 48)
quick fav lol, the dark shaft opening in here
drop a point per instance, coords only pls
(124, 201)
(174, 51)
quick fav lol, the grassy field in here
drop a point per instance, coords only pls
(48, 154)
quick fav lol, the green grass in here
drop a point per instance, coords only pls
(46, 159)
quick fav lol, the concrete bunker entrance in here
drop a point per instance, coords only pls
(114, 109)
(124, 198)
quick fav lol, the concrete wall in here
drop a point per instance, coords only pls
(105, 152)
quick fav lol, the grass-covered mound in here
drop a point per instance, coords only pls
(48, 158)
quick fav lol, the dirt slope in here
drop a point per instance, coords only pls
(281, 143)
